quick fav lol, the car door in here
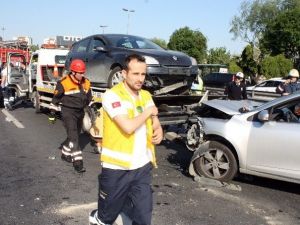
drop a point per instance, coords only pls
(79, 51)
(16, 66)
(274, 148)
(98, 63)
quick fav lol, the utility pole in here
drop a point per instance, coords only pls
(103, 27)
(128, 12)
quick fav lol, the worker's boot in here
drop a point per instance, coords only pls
(66, 153)
(66, 158)
(78, 166)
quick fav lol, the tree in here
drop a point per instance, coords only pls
(191, 42)
(233, 65)
(33, 48)
(283, 35)
(218, 56)
(253, 19)
(248, 63)
(277, 66)
(161, 42)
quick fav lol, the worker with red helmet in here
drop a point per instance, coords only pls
(74, 93)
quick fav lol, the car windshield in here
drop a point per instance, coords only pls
(132, 42)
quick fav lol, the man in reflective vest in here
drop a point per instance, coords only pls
(74, 93)
(131, 129)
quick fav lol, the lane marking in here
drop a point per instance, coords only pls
(11, 118)
(69, 209)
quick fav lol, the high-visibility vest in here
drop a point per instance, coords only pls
(117, 146)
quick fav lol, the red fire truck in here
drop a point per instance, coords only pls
(16, 55)
(19, 47)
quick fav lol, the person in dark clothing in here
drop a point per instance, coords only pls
(74, 93)
(236, 90)
(291, 85)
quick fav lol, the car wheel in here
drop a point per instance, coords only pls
(217, 163)
(115, 77)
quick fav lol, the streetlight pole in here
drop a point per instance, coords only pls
(103, 26)
(128, 13)
(3, 29)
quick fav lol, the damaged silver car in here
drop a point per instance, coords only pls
(247, 137)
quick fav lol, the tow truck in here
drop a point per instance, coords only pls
(174, 110)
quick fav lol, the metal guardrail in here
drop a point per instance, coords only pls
(253, 95)
(262, 96)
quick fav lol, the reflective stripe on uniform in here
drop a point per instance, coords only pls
(66, 148)
(77, 158)
(115, 154)
(72, 92)
(66, 153)
(77, 153)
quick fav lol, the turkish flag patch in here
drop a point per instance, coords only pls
(116, 104)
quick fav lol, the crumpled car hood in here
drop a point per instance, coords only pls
(232, 107)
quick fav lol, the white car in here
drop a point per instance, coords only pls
(247, 137)
(266, 90)
(267, 85)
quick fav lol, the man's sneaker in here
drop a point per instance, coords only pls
(78, 166)
(93, 218)
(66, 158)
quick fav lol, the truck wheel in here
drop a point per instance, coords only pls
(115, 77)
(217, 163)
(36, 102)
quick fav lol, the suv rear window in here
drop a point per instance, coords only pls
(218, 80)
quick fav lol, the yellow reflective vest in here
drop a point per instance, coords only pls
(117, 146)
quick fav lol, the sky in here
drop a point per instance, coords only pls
(41, 19)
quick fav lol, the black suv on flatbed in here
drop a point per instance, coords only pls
(169, 72)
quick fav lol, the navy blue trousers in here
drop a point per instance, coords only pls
(127, 191)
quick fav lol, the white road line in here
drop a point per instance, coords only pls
(11, 118)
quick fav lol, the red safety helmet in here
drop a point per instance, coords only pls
(77, 65)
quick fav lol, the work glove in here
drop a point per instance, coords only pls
(52, 117)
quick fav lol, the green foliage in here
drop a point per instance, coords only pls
(276, 66)
(283, 34)
(191, 42)
(218, 55)
(233, 66)
(247, 62)
(161, 42)
(33, 48)
(253, 19)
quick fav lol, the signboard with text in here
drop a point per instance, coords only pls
(66, 41)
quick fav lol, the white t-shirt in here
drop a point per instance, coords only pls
(114, 106)
(4, 74)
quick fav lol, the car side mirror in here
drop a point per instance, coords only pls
(263, 116)
(101, 49)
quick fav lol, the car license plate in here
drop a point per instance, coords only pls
(179, 71)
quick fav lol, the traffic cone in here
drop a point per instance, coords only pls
(55, 71)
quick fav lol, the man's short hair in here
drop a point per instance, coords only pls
(128, 59)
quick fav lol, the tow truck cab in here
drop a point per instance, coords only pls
(46, 67)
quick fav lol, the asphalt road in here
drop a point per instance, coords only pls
(36, 187)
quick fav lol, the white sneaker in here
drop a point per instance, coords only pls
(94, 220)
